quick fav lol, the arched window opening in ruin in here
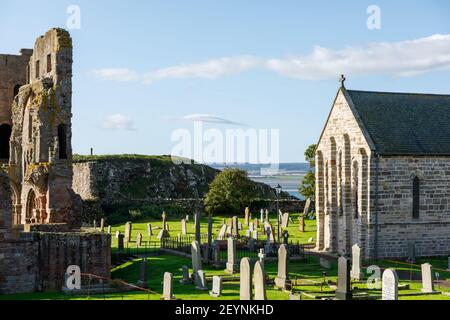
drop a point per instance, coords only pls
(31, 210)
(62, 141)
(37, 67)
(16, 89)
(5, 135)
(416, 198)
(49, 63)
(356, 189)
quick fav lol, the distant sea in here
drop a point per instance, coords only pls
(289, 176)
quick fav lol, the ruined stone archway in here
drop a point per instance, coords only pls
(31, 213)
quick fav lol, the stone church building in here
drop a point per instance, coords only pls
(40, 214)
(383, 175)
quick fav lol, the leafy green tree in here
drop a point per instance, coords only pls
(230, 192)
(308, 186)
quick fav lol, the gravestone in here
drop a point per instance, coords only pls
(163, 234)
(255, 235)
(216, 290)
(186, 278)
(259, 279)
(222, 233)
(301, 224)
(109, 230)
(149, 230)
(261, 215)
(164, 220)
(262, 257)
(267, 216)
(167, 287)
(216, 255)
(187, 218)
(120, 241)
(235, 227)
(343, 291)
(411, 252)
(251, 227)
(247, 216)
(196, 256)
(283, 261)
(271, 235)
(102, 225)
(231, 256)
(307, 207)
(201, 280)
(356, 263)
(245, 292)
(240, 226)
(143, 274)
(268, 245)
(128, 229)
(117, 234)
(427, 278)
(139, 240)
(95, 224)
(389, 289)
(285, 220)
(325, 263)
(256, 224)
(183, 227)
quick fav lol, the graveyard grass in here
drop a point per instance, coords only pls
(307, 275)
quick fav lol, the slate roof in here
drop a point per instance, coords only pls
(405, 123)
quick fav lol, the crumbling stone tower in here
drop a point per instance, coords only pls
(41, 154)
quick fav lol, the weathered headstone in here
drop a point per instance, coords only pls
(261, 215)
(343, 291)
(196, 259)
(143, 274)
(285, 220)
(427, 278)
(187, 218)
(167, 287)
(267, 216)
(102, 225)
(256, 224)
(120, 241)
(245, 292)
(251, 226)
(270, 234)
(149, 229)
(307, 207)
(301, 223)
(389, 285)
(259, 279)
(186, 277)
(164, 220)
(216, 290)
(117, 234)
(201, 280)
(356, 263)
(268, 245)
(262, 257)
(198, 227)
(216, 255)
(128, 229)
(247, 216)
(235, 227)
(183, 227)
(109, 230)
(139, 240)
(283, 261)
(231, 265)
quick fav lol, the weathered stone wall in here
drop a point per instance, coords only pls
(397, 227)
(342, 173)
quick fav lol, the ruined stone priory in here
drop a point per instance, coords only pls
(383, 175)
(40, 214)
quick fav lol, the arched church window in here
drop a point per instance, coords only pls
(5, 134)
(416, 198)
(356, 189)
(62, 141)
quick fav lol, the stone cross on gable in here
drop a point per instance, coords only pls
(342, 80)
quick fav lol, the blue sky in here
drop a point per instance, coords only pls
(266, 64)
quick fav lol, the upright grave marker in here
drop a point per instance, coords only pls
(389, 285)
(356, 263)
(216, 290)
(196, 259)
(128, 229)
(245, 292)
(167, 287)
(259, 281)
(427, 278)
(283, 260)
(183, 227)
(231, 253)
(343, 291)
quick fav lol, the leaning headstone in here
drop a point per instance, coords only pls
(283, 260)
(389, 289)
(183, 227)
(196, 256)
(356, 263)
(139, 240)
(301, 224)
(128, 229)
(143, 274)
(102, 225)
(307, 207)
(201, 280)
(343, 291)
(109, 230)
(149, 229)
(325, 263)
(259, 279)
(245, 292)
(216, 290)
(186, 278)
(427, 278)
(231, 253)
(167, 287)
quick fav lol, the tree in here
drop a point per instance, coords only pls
(308, 186)
(230, 192)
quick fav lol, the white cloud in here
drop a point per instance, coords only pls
(209, 118)
(118, 122)
(403, 58)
